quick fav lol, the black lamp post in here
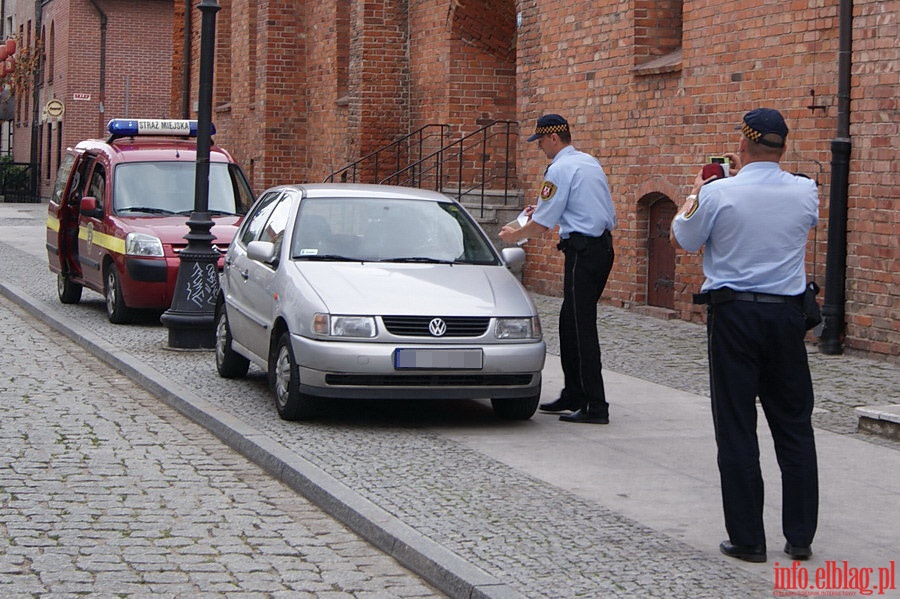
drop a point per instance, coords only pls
(191, 318)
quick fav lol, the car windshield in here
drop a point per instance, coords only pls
(154, 188)
(388, 230)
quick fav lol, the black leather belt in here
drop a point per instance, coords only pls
(725, 294)
(580, 241)
(763, 298)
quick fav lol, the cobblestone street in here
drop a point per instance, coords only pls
(105, 491)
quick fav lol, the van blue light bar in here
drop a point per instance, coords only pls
(134, 127)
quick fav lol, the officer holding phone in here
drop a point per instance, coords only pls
(753, 227)
(575, 195)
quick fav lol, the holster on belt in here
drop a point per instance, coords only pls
(715, 296)
(580, 242)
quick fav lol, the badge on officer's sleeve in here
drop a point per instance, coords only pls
(693, 208)
(547, 190)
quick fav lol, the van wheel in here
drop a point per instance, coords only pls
(116, 309)
(229, 363)
(284, 374)
(516, 408)
(69, 292)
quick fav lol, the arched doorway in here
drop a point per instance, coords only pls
(661, 255)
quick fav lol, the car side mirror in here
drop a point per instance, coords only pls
(262, 251)
(513, 257)
(88, 207)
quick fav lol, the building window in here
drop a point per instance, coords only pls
(657, 36)
(342, 49)
(50, 50)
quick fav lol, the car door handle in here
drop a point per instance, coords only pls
(245, 274)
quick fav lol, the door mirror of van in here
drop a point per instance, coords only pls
(88, 207)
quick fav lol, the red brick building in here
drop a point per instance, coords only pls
(98, 60)
(651, 88)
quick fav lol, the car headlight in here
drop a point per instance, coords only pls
(344, 326)
(518, 328)
(139, 244)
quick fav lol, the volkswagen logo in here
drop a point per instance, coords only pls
(437, 327)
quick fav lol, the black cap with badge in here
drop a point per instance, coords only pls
(549, 123)
(762, 122)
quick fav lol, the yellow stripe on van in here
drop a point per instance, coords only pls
(107, 242)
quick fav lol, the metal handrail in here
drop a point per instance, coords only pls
(431, 170)
(476, 143)
(353, 172)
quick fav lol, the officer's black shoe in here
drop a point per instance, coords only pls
(798, 552)
(587, 416)
(748, 553)
(560, 405)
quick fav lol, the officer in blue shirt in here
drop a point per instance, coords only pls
(753, 228)
(575, 195)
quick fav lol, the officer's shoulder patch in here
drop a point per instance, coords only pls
(548, 189)
(693, 208)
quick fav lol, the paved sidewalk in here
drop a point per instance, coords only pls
(106, 491)
(534, 509)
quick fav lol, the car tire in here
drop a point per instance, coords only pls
(69, 292)
(116, 309)
(516, 408)
(229, 363)
(284, 376)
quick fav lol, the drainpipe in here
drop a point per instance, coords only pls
(186, 66)
(833, 311)
(36, 110)
(102, 125)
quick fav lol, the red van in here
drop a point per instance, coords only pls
(118, 214)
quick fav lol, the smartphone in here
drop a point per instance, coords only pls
(718, 160)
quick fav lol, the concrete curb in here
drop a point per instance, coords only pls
(434, 563)
(880, 420)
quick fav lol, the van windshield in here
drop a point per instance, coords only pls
(164, 188)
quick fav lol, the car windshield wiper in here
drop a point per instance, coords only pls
(147, 209)
(212, 212)
(423, 259)
(326, 258)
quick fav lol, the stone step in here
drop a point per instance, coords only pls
(880, 420)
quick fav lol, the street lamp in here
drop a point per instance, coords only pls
(191, 318)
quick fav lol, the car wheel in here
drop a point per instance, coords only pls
(516, 408)
(229, 363)
(69, 292)
(285, 378)
(116, 309)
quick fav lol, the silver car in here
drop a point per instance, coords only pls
(370, 291)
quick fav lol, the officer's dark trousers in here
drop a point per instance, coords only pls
(757, 349)
(588, 261)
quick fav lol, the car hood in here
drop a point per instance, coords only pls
(416, 289)
(172, 229)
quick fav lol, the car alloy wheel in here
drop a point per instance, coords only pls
(285, 376)
(229, 363)
(116, 309)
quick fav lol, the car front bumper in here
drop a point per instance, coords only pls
(366, 370)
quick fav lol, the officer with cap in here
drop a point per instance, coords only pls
(575, 195)
(754, 227)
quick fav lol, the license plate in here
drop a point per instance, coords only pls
(439, 359)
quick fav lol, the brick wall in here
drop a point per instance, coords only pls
(136, 80)
(873, 262)
(348, 77)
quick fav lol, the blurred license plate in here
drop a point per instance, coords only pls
(439, 359)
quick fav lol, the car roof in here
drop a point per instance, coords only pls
(362, 190)
(136, 149)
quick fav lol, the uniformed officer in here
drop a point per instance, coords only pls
(754, 228)
(575, 195)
